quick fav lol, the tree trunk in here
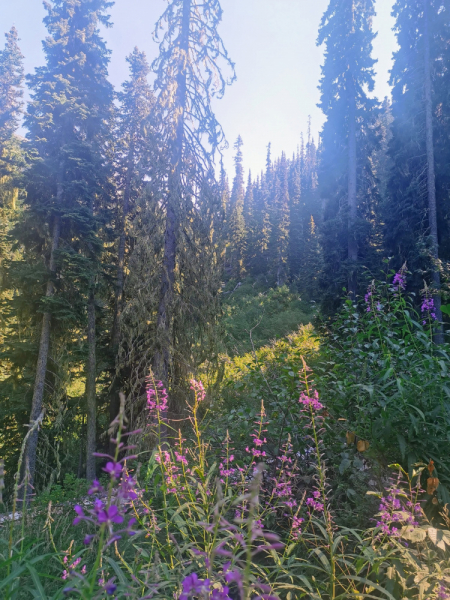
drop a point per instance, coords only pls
(431, 178)
(352, 198)
(163, 353)
(114, 402)
(91, 399)
(44, 345)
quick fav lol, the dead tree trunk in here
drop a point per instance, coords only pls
(163, 353)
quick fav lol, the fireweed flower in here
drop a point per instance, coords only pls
(296, 529)
(192, 585)
(110, 515)
(285, 478)
(171, 471)
(392, 513)
(114, 469)
(399, 281)
(314, 504)
(311, 402)
(428, 308)
(156, 397)
(95, 488)
(198, 389)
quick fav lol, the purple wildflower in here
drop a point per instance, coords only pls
(157, 397)
(114, 469)
(95, 488)
(77, 508)
(399, 281)
(110, 515)
(429, 308)
(198, 389)
(193, 585)
(110, 588)
(312, 403)
(314, 504)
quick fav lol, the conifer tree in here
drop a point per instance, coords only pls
(347, 77)
(133, 160)
(249, 221)
(67, 115)
(237, 227)
(296, 225)
(416, 194)
(11, 93)
(280, 221)
(188, 75)
(262, 219)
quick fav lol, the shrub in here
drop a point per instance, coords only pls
(185, 526)
(383, 374)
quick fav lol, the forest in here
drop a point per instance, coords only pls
(217, 384)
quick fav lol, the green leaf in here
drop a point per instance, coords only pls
(445, 308)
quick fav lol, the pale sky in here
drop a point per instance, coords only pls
(272, 42)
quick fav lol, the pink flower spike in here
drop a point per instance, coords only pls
(198, 389)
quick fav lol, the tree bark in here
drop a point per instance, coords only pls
(352, 197)
(163, 353)
(44, 345)
(91, 399)
(431, 177)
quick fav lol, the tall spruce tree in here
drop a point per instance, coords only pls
(11, 93)
(188, 75)
(237, 224)
(280, 221)
(347, 77)
(70, 107)
(133, 159)
(135, 148)
(416, 193)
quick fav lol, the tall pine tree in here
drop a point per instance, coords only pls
(70, 108)
(347, 77)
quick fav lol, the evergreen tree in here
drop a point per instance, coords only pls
(249, 220)
(237, 226)
(11, 93)
(280, 221)
(66, 119)
(311, 262)
(296, 229)
(133, 159)
(188, 74)
(347, 77)
(417, 195)
(135, 149)
(262, 220)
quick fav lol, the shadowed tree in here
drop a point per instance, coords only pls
(70, 106)
(188, 75)
(417, 208)
(347, 77)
